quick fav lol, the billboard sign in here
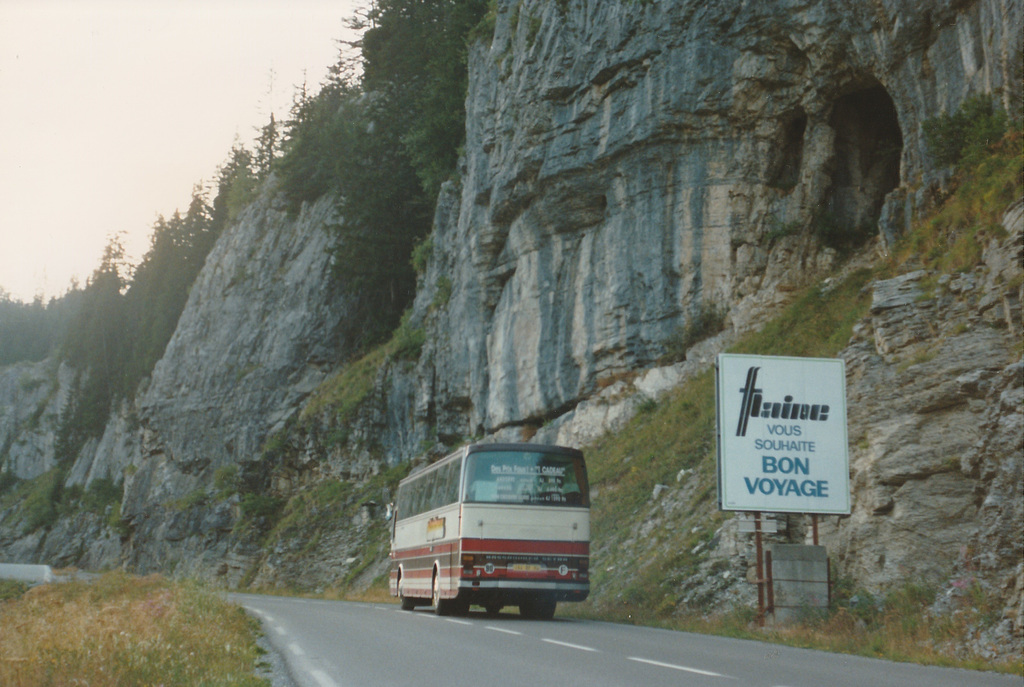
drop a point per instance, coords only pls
(782, 434)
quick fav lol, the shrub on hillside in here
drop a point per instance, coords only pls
(966, 135)
(708, 320)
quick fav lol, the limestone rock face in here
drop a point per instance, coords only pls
(31, 398)
(628, 164)
(261, 329)
(935, 389)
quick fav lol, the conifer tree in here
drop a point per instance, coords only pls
(384, 143)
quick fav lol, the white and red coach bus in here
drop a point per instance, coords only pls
(494, 525)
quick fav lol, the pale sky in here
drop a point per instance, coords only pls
(111, 110)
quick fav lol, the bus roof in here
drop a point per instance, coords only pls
(530, 448)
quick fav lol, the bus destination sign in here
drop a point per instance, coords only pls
(782, 443)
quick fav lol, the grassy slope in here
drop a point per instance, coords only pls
(123, 630)
(679, 435)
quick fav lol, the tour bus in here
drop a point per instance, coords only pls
(493, 525)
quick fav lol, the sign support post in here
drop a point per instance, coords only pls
(782, 448)
(760, 568)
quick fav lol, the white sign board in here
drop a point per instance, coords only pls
(782, 434)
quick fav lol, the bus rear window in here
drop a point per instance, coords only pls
(520, 477)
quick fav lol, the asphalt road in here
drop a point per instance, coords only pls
(340, 644)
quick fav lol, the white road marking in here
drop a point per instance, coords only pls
(296, 649)
(501, 629)
(323, 679)
(676, 667)
(458, 622)
(571, 646)
(279, 630)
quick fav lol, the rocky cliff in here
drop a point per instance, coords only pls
(32, 396)
(628, 166)
(261, 330)
(630, 163)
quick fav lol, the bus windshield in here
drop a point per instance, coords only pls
(527, 478)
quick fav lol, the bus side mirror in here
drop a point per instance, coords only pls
(389, 512)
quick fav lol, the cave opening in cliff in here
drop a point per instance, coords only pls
(866, 163)
(784, 167)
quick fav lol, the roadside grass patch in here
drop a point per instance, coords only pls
(344, 392)
(324, 504)
(817, 324)
(326, 507)
(675, 434)
(12, 589)
(952, 239)
(124, 630)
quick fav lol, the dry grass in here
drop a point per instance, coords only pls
(376, 593)
(952, 238)
(123, 630)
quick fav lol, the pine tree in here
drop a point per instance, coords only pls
(266, 148)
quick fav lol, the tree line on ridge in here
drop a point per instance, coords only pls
(381, 135)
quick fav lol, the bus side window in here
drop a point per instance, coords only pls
(441, 487)
(421, 495)
(451, 487)
(433, 492)
(430, 492)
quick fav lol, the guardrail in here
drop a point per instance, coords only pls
(33, 574)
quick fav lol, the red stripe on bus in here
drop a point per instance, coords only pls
(425, 551)
(421, 573)
(525, 546)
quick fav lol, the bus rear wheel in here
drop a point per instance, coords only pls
(441, 606)
(538, 609)
(407, 603)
